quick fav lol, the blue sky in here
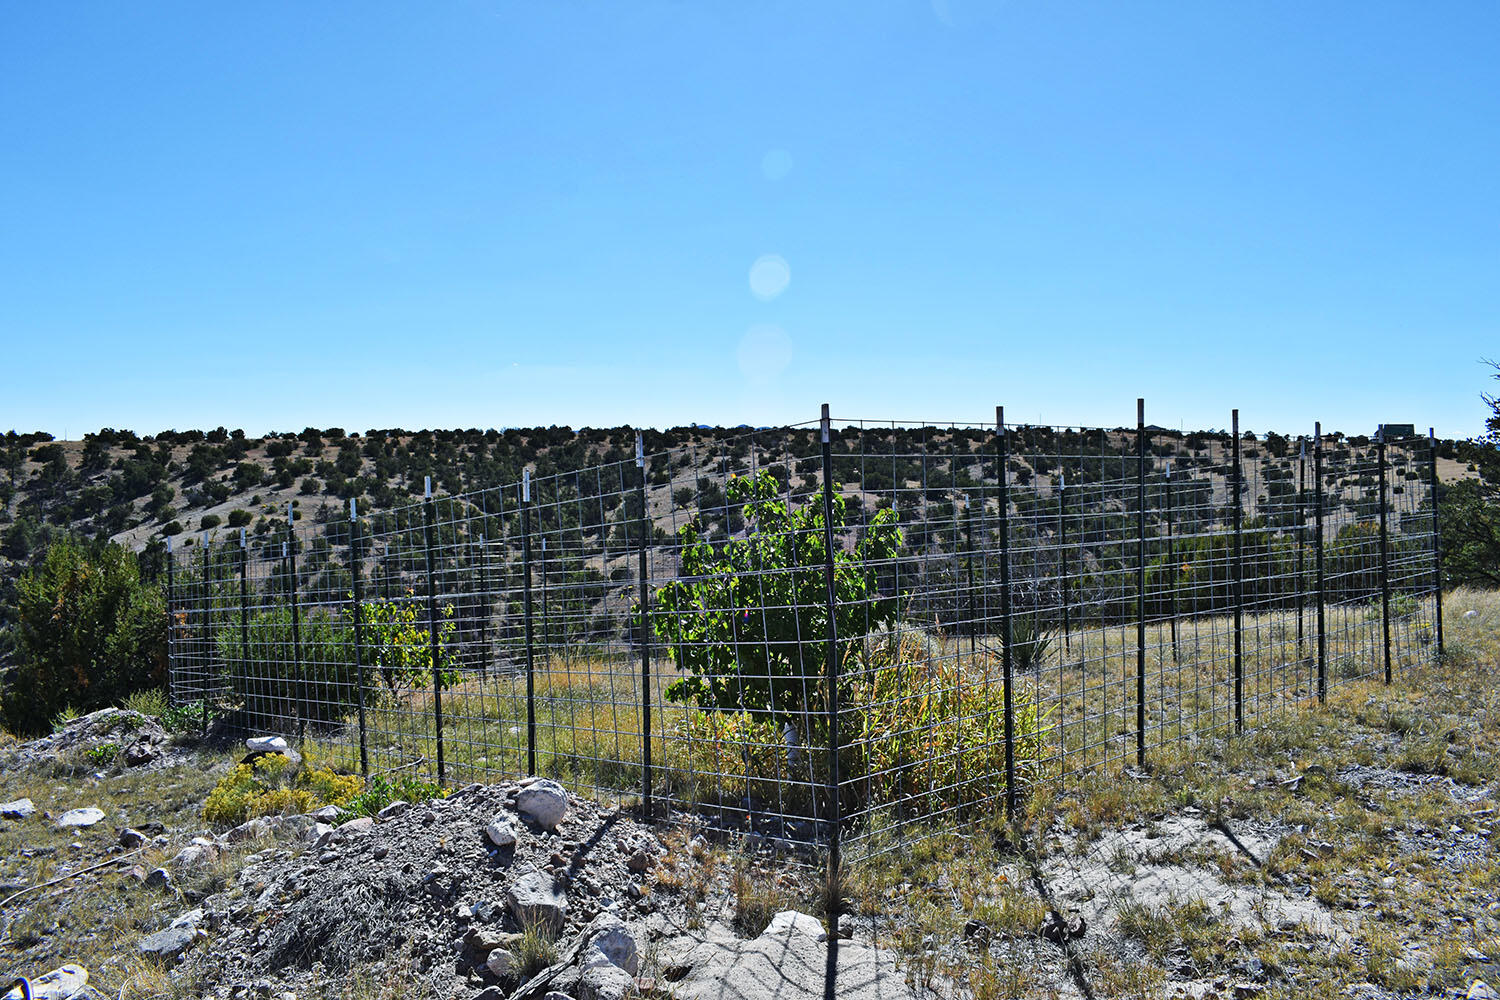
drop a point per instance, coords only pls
(479, 214)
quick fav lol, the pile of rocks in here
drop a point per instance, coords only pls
(139, 740)
(448, 888)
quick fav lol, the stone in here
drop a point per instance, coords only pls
(87, 816)
(357, 827)
(501, 832)
(20, 809)
(140, 752)
(59, 984)
(555, 995)
(131, 839)
(483, 940)
(1480, 990)
(543, 802)
(501, 963)
(193, 857)
(192, 918)
(612, 939)
(158, 878)
(792, 922)
(394, 809)
(249, 830)
(491, 993)
(319, 833)
(169, 943)
(604, 981)
(534, 899)
(326, 814)
(266, 744)
(638, 862)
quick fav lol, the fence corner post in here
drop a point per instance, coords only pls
(1239, 579)
(1318, 555)
(1140, 584)
(526, 610)
(429, 518)
(1002, 454)
(644, 571)
(1437, 539)
(1385, 564)
(834, 813)
(359, 646)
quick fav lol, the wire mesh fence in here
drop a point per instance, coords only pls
(827, 634)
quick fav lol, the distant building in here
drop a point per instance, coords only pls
(1396, 430)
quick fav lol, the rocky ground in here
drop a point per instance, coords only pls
(1343, 852)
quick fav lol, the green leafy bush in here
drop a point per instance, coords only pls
(310, 673)
(770, 660)
(90, 633)
(381, 790)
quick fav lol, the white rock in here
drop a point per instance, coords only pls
(791, 922)
(1471, 613)
(326, 814)
(501, 832)
(533, 898)
(544, 802)
(604, 981)
(20, 809)
(1480, 990)
(357, 827)
(80, 817)
(613, 941)
(192, 918)
(249, 830)
(501, 963)
(266, 744)
(59, 984)
(394, 809)
(194, 856)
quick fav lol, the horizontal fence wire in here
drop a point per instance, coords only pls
(1000, 606)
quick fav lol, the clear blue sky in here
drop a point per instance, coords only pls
(276, 215)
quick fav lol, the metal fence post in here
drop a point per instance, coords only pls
(1318, 555)
(289, 553)
(1140, 583)
(244, 610)
(1239, 583)
(526, 592)
(432, 626)
(359, 638)
(832, 668)
(644, 572)
(1437, 538)
(1171, 584)
(1385, 565)
(171, 614)
(208, 635)
(1003, 475)
(1301, 552)
(1062, 527)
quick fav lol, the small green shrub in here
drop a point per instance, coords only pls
(269, 787)
(64, 716)
(147, 701)
(184, 718)
(380, 791)
(103, 755)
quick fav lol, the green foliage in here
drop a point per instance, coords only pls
(1469, 518)
(184, 718)
(90, 634)
(310, 672)
(381, 790)
(268, 787)
(103, 755)
(745, 621)
(147, 701)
